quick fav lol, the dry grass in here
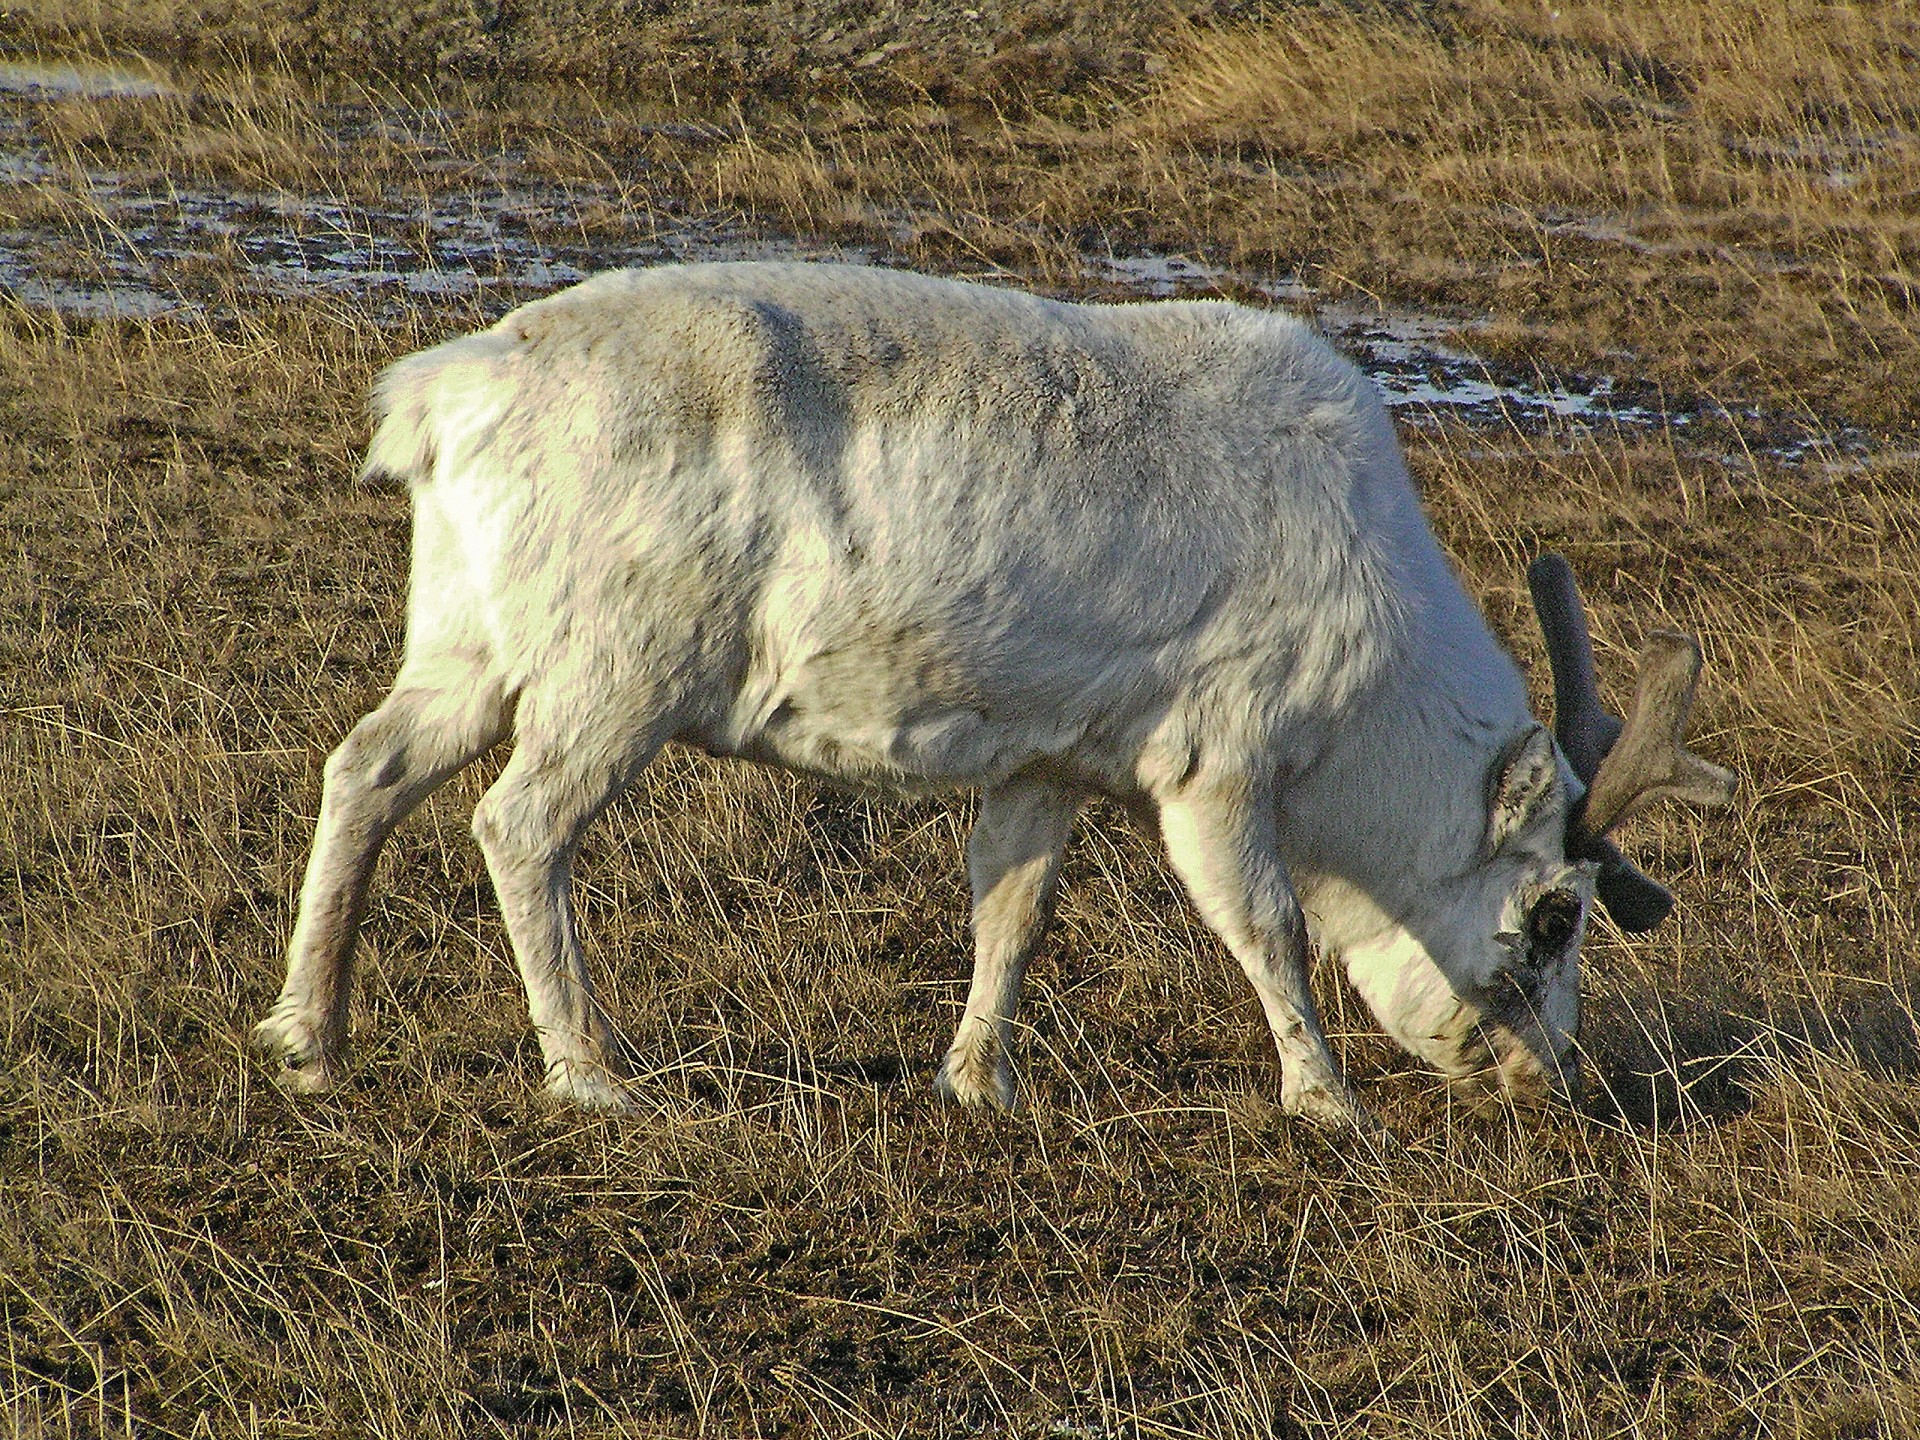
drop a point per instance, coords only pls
(1722, 192)
(1725, 192)
(794, 1239)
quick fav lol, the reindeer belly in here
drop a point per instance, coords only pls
(922, 705)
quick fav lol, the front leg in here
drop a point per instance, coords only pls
(1013, 860)
(1220, 839)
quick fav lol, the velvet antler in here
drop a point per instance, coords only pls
(1625, 765)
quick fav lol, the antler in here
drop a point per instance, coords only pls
(1628, 766)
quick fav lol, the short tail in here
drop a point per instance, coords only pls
(440, 400)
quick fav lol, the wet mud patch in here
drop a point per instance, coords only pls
(467, 231)
(476, 235)
(483, 232)
(491, 247)
(36, 79)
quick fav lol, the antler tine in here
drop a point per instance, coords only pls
(1623, 766)
(1648, 760)
(1585, 730)
(1636, 901)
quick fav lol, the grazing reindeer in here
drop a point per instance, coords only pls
(917, 534)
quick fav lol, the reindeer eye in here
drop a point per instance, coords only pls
(1551, 923)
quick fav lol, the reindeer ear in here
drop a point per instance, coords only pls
(1521, 786)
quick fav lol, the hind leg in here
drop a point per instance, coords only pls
(439, 718)
(1013, 860)
(530, 825)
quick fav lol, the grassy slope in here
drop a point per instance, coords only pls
(1723, 190)
(992, 52)
(196, 604)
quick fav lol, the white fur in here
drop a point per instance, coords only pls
(919, 534)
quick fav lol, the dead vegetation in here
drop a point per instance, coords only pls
(1713, 203)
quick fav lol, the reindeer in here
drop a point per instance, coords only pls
(919, 534)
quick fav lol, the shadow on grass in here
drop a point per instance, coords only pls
(1670, 1062)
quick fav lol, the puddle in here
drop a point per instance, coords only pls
(1416, 360)
(1156, 275)
(1421, 370)
(147, 248)
(50, 81)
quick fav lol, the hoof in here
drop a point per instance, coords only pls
(1332, 1106)
(584, 1085)
(963, 1079)
(308, 1062)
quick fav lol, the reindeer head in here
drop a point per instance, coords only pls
(1624, 766)
(1510, 1013)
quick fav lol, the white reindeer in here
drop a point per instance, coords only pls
(919, 534)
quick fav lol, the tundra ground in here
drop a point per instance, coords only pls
(1710, 204)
